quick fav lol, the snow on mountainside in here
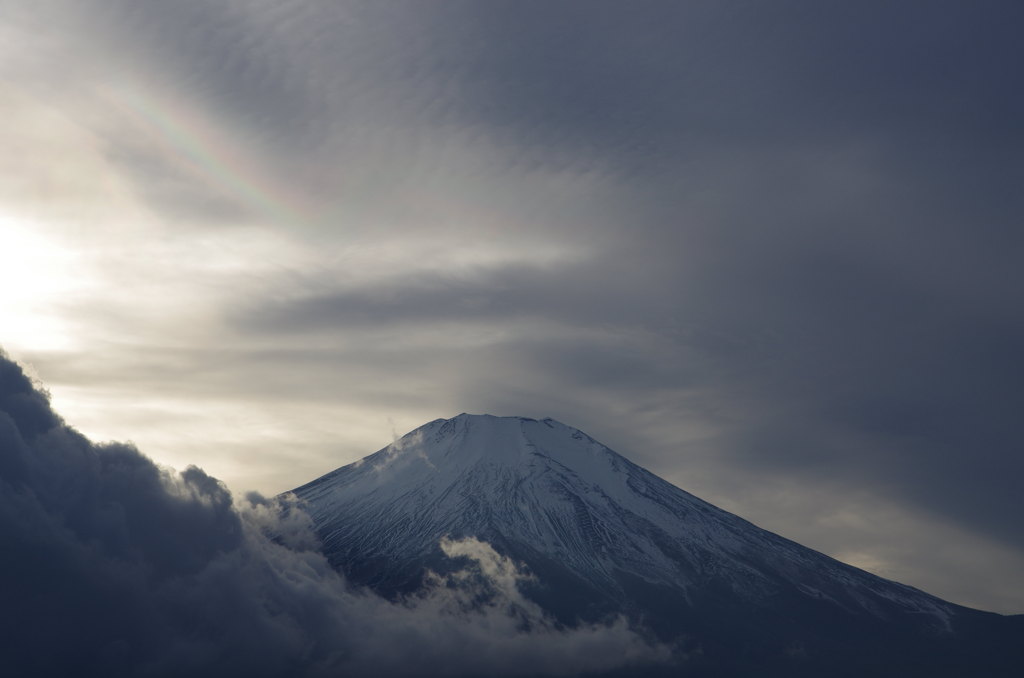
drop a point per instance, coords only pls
(554, 498)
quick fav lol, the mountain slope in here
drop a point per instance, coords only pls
(605, 536)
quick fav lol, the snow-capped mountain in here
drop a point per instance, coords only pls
(604, 536)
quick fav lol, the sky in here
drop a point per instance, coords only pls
(769, 251)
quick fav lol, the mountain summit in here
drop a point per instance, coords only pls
(604, 537)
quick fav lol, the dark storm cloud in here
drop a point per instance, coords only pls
(114, 566)
(664, 80)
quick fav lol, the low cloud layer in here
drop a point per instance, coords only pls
(115, 566)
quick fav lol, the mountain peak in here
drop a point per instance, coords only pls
(444, 449)
(478, 435)
(602, 535)
(493, 424)
(486, 417)
(566, 496)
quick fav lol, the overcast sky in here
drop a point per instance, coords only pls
(770, 251)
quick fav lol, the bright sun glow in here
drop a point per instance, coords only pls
(37, 276)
